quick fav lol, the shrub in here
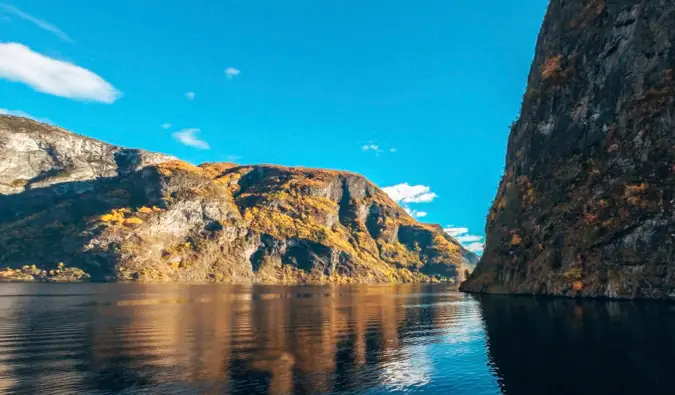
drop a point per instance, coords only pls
(120, 217)
(552, 67)
(516, 239)
(133, 221)
(19, 183)
(573, 273)
(590, 218)
(577, 286)
(167, 168)
(635, 189)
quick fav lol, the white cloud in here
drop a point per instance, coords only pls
(454, 232)
(166, 126)
(19, 63)
(231, 72)
(476, 248)
(371, 147)
(415, 213)
(44, 25)
(375, 148)
(471, 242)
(406, 193)
(190, 95)
(189, 138)
(468, 238)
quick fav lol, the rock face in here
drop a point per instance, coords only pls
(69, 202)
(585, 207)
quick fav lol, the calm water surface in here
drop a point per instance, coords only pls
(214, 339)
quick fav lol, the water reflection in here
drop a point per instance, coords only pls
(561, 346)
(105, 338)
(142, 339)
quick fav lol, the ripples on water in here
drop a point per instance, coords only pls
(138, 339)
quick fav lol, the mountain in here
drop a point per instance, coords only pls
(72, 207)
(585, 207)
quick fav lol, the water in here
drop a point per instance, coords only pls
(143, 339)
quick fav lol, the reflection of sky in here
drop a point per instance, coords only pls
(451, 359)
(409, 370)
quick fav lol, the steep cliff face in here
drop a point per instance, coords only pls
(585, 207)
(68, 202)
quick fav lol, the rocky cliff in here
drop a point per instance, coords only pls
(72, 207)
(585, 207)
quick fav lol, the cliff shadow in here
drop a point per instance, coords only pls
(558, 346)
(51, 224)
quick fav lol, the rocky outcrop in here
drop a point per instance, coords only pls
(585, 207)
(70, 202)
(37, 155)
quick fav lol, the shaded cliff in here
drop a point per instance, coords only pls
(585, 207)
(69, 202)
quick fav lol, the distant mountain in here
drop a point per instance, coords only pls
(72, 207)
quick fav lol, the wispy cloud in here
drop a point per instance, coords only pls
(42, 24)
(374, 147)
(476, 248)
(189, 137)
(231, 72)
(16, 113)
(190, 95)
(455, 232)
(19, 113)
(406, 193)
(20, 64)
(471, 242)
(415, 213)
(469, 238)
(371, 147)
(166, 126)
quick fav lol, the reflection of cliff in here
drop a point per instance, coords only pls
(570, 347)
(215, 339)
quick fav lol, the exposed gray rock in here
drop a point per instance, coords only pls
(36, 155)
(585, 207)
(129, 215)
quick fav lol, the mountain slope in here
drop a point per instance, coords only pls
(585, 207)
(123, 214)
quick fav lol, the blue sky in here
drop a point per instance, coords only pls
(414, 94)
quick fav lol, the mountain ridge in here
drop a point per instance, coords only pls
(71, 202)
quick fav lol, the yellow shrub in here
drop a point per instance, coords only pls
(573, 273)
(114, 217)
(516, 239)
(144, 210)
(634, 189)
(133, 221)
(167, 168)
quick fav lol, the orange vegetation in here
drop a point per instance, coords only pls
(552, 67)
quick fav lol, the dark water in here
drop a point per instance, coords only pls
(163, 339)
